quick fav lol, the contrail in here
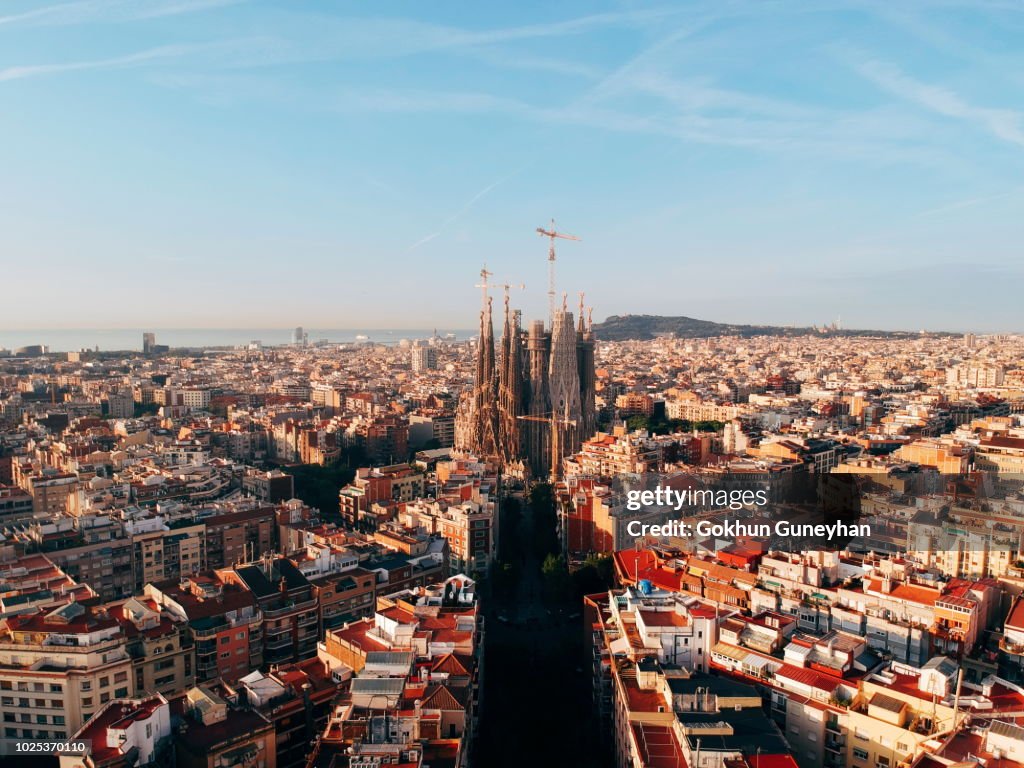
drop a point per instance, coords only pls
(463, 210)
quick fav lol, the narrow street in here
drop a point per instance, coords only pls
(536, 693)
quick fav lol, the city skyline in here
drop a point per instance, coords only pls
(775, 164)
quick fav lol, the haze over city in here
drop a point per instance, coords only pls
(211, 163)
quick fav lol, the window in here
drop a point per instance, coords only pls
(56, 687)
(87, 685)
(120, 677)
(860, 754)
(87, 701)
(121, 693)
(225, 640)
(104, 682)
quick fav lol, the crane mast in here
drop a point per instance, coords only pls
(552, 234)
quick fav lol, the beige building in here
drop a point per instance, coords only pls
(948, 459)
(160, 645)
(168, 554)
(57, 669)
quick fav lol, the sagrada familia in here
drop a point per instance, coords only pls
(532, 402)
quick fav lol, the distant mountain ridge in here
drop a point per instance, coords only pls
(641, 327)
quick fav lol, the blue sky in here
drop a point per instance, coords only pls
(208, 163)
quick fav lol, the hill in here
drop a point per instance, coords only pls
(641, 327)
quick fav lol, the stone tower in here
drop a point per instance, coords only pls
(564, 387)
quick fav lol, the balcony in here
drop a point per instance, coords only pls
(1011, 647)
(289, 609)
(277, 642)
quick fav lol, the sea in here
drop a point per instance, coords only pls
(126, 339)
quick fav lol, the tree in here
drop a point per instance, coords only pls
(634, 423)
(317, 486)
(556, 577)
(596, 574)
(509, 515)
(145, 409)
(504, 577)
(545, 523)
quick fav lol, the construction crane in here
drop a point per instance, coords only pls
(484, 274)
(551, 234)
(508, 287)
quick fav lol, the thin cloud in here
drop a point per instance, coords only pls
(308, 37)
(21, 72)
(422, 241)
(970, 202)
(462, 211)
(1004, 124)
(101, 11)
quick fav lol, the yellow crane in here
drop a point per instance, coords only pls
(553, 234)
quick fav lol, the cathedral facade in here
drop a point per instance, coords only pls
(533, 401)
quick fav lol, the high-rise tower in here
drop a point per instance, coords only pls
(486, 390)
(537, 398)
(537, 437)
(588, 375)
(476, 420)
(564, 387)
(510, 388)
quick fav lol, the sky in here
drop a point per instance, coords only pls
(230, 164)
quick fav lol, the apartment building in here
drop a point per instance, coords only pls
(167, 553)
(224, 621)
(57, 669)
(160, 644)
(287, 602)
